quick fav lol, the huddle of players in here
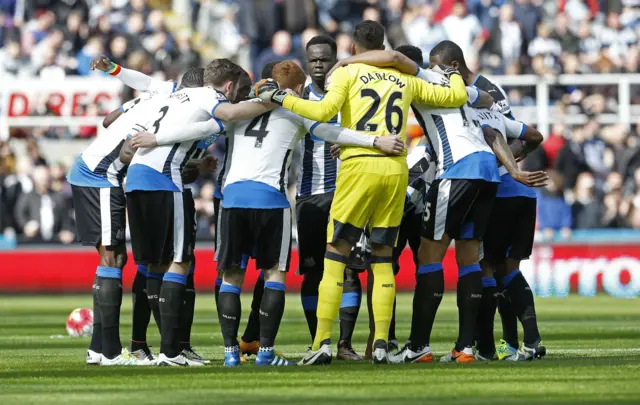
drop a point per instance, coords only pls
(154, 140)
(469, 193)
(161, 210)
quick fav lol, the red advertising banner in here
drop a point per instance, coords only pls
(554, 270)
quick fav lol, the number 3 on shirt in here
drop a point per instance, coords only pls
(390, 109)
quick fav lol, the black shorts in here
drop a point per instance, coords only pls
(410, 229)
(162, 226)
(458, 207)
(264, 232)
(100, 215)
(312, 215)
(513, 225)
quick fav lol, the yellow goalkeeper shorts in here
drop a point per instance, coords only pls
(369, 190)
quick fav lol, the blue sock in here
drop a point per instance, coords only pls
(155, 276)
(309, 303)
(274, 285)
(429, 268)
(175, 278)
(228, 288)
(488, 282)
(229, 312)
(464, 270)
(109, 272)
(349, 299)
(509, 277)
(271, 310)
(142, 269)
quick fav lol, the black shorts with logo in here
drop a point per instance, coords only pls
(512, 226)
(312, 216)
(162, 226)
(264, 232)
(458, 207)
(100, 215)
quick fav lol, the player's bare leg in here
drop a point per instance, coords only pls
(230, 312)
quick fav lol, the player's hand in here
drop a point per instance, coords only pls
(101, 63)
(335, 151)
(445, 70)
(208, 164)
(144, 140)
(531, 179)
(268, 90)
(392, 145)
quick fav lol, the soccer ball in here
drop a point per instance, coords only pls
(80, 322)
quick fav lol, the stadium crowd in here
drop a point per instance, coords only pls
(595, 168)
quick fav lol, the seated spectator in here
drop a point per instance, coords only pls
(43, 214)
(554, 214)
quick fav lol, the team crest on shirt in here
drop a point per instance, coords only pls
(309, 262)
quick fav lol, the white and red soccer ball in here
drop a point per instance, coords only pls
(80, 322)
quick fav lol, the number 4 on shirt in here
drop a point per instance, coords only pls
(261, 132)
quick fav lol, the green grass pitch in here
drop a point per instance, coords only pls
(593, 358)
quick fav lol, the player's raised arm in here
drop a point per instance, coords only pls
(323, 110)
(393, 145)
(383, 59)
(132, 78)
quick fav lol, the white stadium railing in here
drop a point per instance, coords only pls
(14, 93)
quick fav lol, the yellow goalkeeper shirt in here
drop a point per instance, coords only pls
(375, 101)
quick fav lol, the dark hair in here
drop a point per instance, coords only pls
(369, 35)
(449, 51)
(221, 70)
(193, 77)
(267, 70)
(412, 52)
(324, 40)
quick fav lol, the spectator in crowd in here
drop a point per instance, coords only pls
(529, 16)
(43, 214)
(505, 42)
(545, 52)
(465, 30)
(569, 42)
(422, 30)
(281, 49)
(586, 210)
(554, 214)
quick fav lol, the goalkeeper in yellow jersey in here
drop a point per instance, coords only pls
(371, 186)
